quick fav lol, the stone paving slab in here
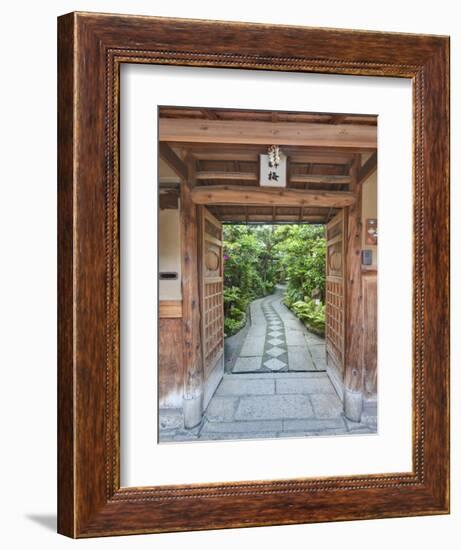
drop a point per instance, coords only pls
(223, 436)
(247, 364)
(275, 364)
(315, 424)
(363, 430)
(319, 356)
(366, 423)
(171, 419)
(259, 426)
(326, 405)
(221, 409)
(276, 375)
(314, 340)
(256, 330)
(313, 385)
(274, 407)
(243, 386)
(296, 338)
(313, 433)
(185, 435)
(294, 325)
(253, 346)
(275, 351)
(300, 359)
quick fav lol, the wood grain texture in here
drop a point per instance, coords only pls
(192, 347)
(368, 168)
(370, 332)
(66, 294)
(353, 350)
(92, 47)
(172, 159)
(280, 133)
(170, 309)
(232, 194)
(170, 362)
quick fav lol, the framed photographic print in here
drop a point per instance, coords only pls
(236, 346)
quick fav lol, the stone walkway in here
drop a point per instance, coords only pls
(278, 386)
(277, 341)
(273, 405)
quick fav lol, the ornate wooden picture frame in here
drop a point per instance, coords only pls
(92, 48)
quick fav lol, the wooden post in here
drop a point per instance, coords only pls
(192, 350)
(353, 353)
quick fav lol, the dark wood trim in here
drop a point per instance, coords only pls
(66, 292)
(91, 501)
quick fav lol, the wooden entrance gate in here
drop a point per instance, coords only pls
(335, 293)
(211, 301)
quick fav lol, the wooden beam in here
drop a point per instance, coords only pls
(320, 178)
(248, 155)
(192, 349)
(250, 152)
(224, 154)
(368, 168)
(268, 218)
(168, 200)
(208, 175)
(353, 349)
(170, 309)
(173, 161)
(259, 196)
(320, 158)
(267, 133)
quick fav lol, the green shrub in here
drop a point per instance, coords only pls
(257, 257)
(232, 326)
(311, 313)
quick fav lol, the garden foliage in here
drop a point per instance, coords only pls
(257, 257)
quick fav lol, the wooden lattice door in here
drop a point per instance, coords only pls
(211, 290)
(335, 291)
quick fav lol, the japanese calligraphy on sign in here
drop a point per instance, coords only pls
(273, 174)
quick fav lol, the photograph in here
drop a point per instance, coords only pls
(228, 319)
(268, 235)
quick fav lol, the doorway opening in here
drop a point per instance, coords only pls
(274, 298)
(267, 254)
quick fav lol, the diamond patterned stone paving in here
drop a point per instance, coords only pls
(275, 351)
(275, 341)
(275, 364)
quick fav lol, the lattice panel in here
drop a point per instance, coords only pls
(335, 291)
(213, 323)
(334, 322)
(212, 305)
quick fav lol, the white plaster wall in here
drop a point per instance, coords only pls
(169, 249)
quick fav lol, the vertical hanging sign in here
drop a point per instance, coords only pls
(273, 168)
